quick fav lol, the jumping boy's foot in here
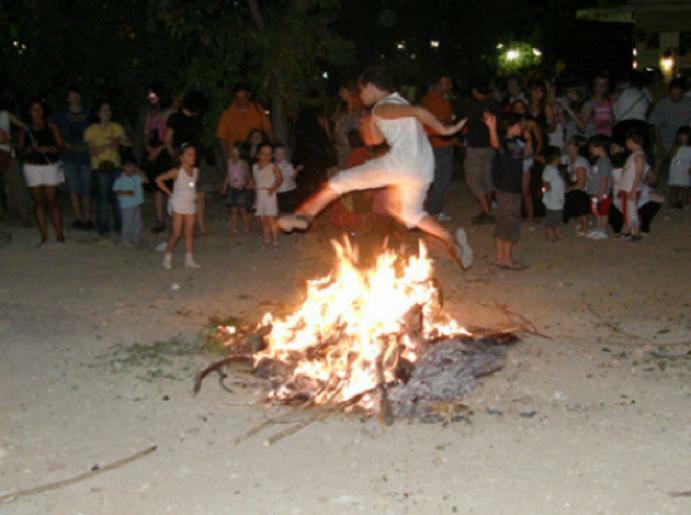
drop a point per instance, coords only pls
(293, 221)
(461, 250)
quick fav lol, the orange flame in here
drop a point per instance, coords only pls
(350, 332)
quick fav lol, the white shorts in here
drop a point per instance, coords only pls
(409, 185)
(41, 175)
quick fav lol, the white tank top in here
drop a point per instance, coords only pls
(406, 137)
(184, 189)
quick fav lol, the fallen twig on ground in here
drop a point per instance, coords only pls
(81, 477)
(621, 332)
(523, 323)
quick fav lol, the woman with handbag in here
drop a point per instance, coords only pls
(39, 145)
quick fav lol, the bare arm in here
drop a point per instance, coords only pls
(169, 141)
(59, 146)
(581, 177)
(639, 164)
(537, 139)
(279, 180)
(161, 180)
(491, 122)
(392, 112)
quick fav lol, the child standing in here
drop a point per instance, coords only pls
(182, 200)
(287, 198)
(577, 201)
(631, 182)
(553, 187)
(679, 169)
(128, 188)
(599, 185)
(237, 186)
(507, 175)
(267, 179)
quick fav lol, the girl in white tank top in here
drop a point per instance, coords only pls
(183, 202)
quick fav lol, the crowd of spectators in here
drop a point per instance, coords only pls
(533, 149)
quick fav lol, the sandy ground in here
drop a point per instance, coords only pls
(595, 419)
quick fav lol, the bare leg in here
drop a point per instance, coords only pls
(246, 220)
(273, 223)
(188, 230)
(499, 259)
(485, 203)
(201, 199)
(234, 219)
(175, 232)
(159, 207)
(266, 230)
(54, 209)
(315, 204)
(458, 246)
(434, 228)
(86, 208)
(39, 197)
(76, 208)
(527, 197)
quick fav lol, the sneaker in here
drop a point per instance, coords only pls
(167, 262)
(599, 235)
(443, 217)
(190, 262)
(462, 250)
(161, 247)
(592, 234)
(292, 222)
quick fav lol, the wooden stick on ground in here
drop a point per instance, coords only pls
(81, 477)
(614, 327)
(283, 417)
(525, 324)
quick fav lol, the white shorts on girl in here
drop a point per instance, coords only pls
(409, 185)
(41, 175)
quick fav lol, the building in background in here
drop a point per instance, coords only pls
(661, 32)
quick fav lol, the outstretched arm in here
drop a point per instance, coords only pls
(392, 111)
(491, 121)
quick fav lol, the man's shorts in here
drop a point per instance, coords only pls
(508, 216)
(408, 185)
(554, 218)
(478, 170)
(78, 178)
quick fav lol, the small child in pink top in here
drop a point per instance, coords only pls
(238, 187)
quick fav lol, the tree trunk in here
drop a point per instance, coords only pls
(279, 119)
(278, 111)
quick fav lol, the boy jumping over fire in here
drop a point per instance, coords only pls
(407, 169)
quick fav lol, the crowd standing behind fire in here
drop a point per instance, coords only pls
(540, 151)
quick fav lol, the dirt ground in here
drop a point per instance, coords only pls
(99, 348)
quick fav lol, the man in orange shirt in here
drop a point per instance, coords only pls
(437, 102)
(240, 118)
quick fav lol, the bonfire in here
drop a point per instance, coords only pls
(369, 339)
